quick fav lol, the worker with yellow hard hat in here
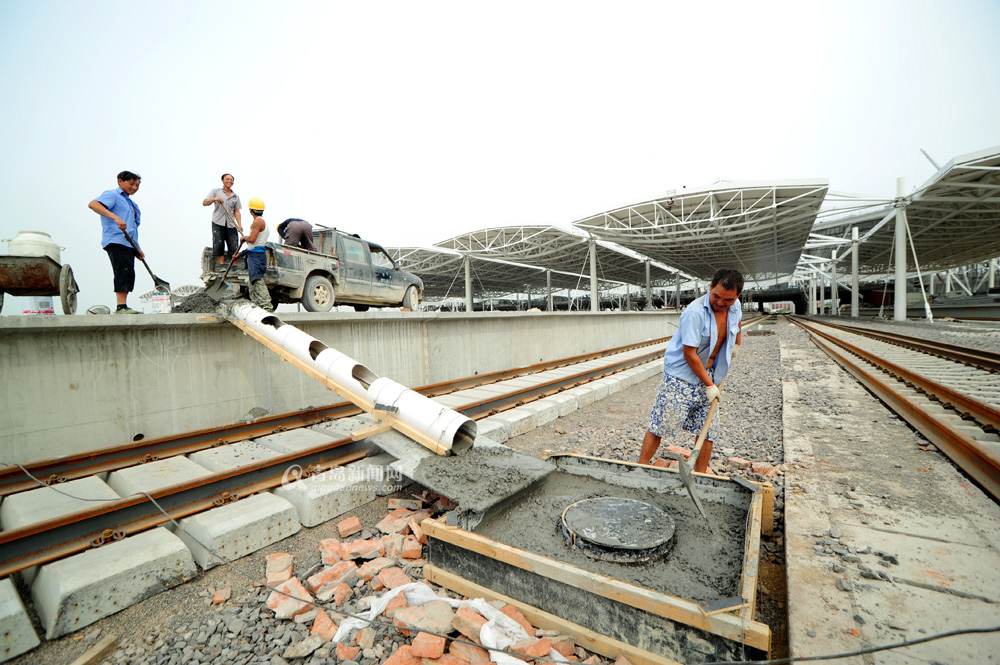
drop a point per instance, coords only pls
(256, 255)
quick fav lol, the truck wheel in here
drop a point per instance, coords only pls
(318, 294)
(361, 308)
(411, 299)
(67, 290)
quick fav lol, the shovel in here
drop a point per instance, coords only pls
(216, 288)
(686, 466)
(161, 284)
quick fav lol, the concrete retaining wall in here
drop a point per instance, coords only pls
(77, 383)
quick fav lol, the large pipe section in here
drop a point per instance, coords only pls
(427, 422)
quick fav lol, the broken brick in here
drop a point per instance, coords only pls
(681, 451)
(393, 577)
(345, 652)
(445, 659)
(433, 617)
(277, 568)
(349, 526)
(402, 656)
(370, 569)
(285, 607)
(393, 544)
(417, 532)
(593, 660)
(515, 614)
(469, 653)
(341, 593)
(739, 462)
(426, 645)
(564, 644)
(335, 573)
(324, 626)
(397, 602)
(394, 521)
(533, 646)
(622, 660)
(412, 549)
(330, 550)
(362, 549)
(408, 504)
(221, 596)
(469, 623)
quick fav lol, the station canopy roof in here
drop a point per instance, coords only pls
(562, 250)
(758, 228)
(954, 220)
(443, 273)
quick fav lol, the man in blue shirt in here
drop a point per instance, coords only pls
(695, 363)
(119, 213)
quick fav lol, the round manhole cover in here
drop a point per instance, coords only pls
(616, 529)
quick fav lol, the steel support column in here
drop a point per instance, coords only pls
(468, 284)
(834, 291)
(855, 286)
(899, 285)
(649, 288)
(595, 304)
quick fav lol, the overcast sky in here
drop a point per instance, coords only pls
(412, 122)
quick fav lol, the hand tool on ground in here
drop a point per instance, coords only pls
(686, 466)
(216, 288)
(161, 284)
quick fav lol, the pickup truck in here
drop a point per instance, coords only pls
(347, 270)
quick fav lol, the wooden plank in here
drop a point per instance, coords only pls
(751, 560)
(588, 639)
(97, 653)
(749, 632)
(767, 520)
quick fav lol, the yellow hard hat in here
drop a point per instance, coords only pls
(256, 204)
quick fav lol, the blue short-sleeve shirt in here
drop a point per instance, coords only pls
(697, 328)
(119, 203)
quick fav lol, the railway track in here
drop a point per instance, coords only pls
(949, 393)
(40, 543)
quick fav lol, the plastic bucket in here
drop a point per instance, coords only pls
(161, 303)
(37, 305)
(34, 243)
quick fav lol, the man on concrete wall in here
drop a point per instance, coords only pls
(695, 364)
(226, 228)
(120, 213)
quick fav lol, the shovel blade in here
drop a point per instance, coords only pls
(216, 289)
(161, 284)
(685, 470)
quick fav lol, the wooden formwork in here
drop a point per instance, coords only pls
(611, 616)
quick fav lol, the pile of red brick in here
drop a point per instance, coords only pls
(384, 561)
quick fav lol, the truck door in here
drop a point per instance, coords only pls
(357, 268)
(387, 285)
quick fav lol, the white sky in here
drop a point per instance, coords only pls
(412, 122)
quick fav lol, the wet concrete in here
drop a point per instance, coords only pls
(481, 478)
(197, 302)
(702, 565)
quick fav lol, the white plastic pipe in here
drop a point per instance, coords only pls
(427, 422)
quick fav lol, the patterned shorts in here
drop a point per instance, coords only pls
(679, 405)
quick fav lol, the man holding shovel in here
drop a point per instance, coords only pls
(226, 228)
(695, 364)
(120, 213)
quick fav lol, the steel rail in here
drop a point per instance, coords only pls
(975, 459)
(61, 469)
(987, 360)
(965, 405)
(59, 537)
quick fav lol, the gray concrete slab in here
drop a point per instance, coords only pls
(75, 592)
(330, 494)
(155, 475)
(297, 439)
(45, 503)
(545, 411)
(239, 528)
(15, 625)
(860, 496)
(233, 456)
(515, 421)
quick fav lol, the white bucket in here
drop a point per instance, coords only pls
(161, 303)
(33, 243)
(37, 305)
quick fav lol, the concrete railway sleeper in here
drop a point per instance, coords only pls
(962, 427)
(62, 469)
